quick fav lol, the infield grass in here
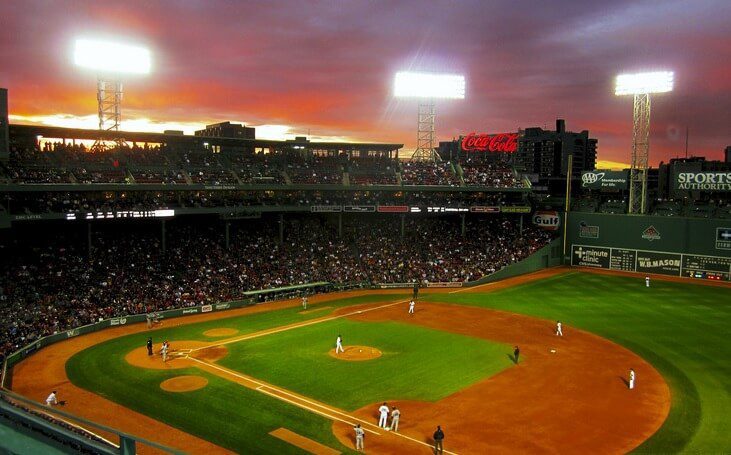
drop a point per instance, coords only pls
(238, 418)
(682, 329)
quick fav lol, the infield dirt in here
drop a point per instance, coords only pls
(568, 401)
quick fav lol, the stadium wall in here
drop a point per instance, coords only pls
(548, 256)
(677, 246)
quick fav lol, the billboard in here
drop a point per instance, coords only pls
(502, 142)
(599, 179)
(702, 181)
(547, 219)
(657, 262)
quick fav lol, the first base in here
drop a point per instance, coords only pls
(553, 350)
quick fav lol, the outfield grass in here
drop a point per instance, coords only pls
(417, 363)
(682, 329)
(240, 419)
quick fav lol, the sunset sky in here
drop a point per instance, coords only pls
(327, 67)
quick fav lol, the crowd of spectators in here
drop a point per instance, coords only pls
(50, 284)
(421, 173)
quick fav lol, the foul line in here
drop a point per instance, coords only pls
(297, 401)
(294, 326)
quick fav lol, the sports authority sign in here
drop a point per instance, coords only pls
(604, 179)
(547, 219)
(703, 181)
(502, 142)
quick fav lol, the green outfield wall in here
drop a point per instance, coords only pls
(677, 246)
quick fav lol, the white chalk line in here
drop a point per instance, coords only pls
(299, 402)
(294, 326)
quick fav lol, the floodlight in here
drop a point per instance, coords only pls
(644, 83)
(429, 85)
(109, 57)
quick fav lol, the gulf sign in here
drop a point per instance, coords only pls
(547, 219)
(494, 143)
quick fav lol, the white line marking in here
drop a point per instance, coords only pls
(328, 414)
(295, 326)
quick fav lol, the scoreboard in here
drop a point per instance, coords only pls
(660, 262)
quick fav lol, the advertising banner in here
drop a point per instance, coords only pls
(393, 208)
(590, 256)
(547, 219)
(702, 181)
(360, 208)
(600, 179)
(503, 142)
(449, 284)
(655, 262)
(515, 209)
(484, 209)
(326, 208)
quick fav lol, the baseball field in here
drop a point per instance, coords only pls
(265, 379)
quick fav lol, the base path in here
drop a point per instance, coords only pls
(573, 400)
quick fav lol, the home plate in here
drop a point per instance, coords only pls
(553, 351)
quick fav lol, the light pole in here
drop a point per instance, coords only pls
(111, 61)
(427, 88)
(641, 85)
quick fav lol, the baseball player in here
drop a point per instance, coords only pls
(164, 351)
(359, 436)
(52, 399)
(149, 345)
(339, 345)
(304, 302)
(412, 304)
(631, 378)
(384, 415)
(148, 317)
(395, 415)
(559, 329)
(647, 281)
(516, 354)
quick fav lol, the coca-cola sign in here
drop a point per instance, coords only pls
(503, 142)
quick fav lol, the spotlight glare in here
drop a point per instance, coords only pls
(429, 85)
(109, 57)
(643, 83)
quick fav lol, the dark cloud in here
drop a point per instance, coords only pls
(328, 65)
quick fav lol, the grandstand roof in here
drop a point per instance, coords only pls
(137, 136)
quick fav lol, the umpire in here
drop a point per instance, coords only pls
(149, 346)
(438, 440)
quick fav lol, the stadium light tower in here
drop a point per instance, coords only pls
(427, 87)
(641, 85)
(111, 61)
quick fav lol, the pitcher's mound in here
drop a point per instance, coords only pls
(356, 353)
(220, 332)
(184, 383)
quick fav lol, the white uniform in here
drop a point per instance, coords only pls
(51, 400)
(395, 415)
(631, 379)
(164, 352)
(559, 330)
(339, 345)
(384, 416)
(412, 304)
(647, 281)
(304, 303)
(359, 434)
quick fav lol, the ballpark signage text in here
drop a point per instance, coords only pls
(590, 256)
(651, 234)
(588, 232)
(703, 181)
(723, 238)
(604, 179)
(654, 262)
(547, 219)
(503, 142)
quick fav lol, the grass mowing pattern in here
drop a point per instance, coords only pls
(679, 328)
(239, 418)
(417, 363)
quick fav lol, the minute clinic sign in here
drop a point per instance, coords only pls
(494, 143)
